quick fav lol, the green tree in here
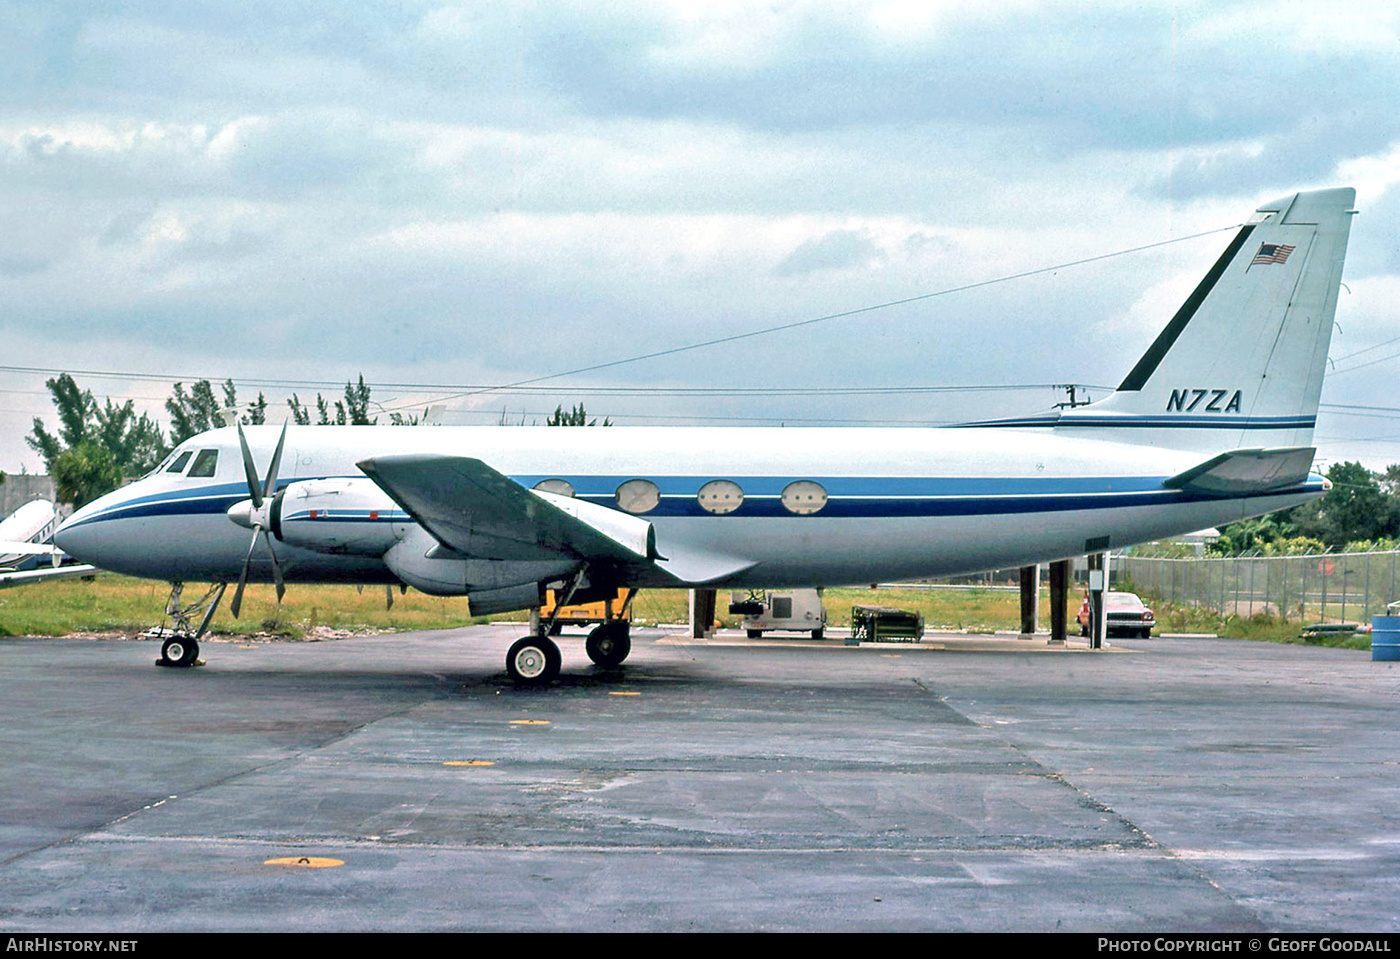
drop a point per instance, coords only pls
(1355, 508)
(198, 411)
(574, 417)
(84, 472)
(107, 442)
(355, 410)
(300, 414)
(351, 411)
(1361, 508)
(194, 412)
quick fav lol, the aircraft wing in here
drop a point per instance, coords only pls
(15, 547)
(477, 511)
(474, 510)
(1246, 472)
(25, 577)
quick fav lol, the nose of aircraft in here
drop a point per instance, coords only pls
(74, 539)
(85, 537)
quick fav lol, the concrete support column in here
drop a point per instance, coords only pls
(1098, 609)
(1059, 600)
(1030, 599)
(702, 613)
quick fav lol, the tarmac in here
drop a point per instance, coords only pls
(965, 783)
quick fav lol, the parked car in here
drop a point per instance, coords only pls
(1127, 616)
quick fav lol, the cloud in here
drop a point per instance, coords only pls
(837, 250)
(500, 191)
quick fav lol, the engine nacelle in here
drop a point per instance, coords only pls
(346, 515)
(492, 585)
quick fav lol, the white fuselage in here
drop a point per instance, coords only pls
(901, 503)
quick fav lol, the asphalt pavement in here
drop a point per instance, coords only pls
(966, 783)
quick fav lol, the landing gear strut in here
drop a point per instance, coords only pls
(181, 646)
(535, 659)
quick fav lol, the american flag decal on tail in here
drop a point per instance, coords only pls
(1272, 253)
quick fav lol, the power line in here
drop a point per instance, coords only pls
(733, 338)
(529, 390)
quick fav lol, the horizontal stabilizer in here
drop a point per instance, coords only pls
(480, 512)
(1246, 472)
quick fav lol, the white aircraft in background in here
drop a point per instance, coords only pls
(1212, 425)
(25, 535)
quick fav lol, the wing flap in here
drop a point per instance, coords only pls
(1246, 472)
(695, 566)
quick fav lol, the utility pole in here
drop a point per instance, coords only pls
(1074, 400)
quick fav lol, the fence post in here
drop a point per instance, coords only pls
(1366, 609)
(1322, 571)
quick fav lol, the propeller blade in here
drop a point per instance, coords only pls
(237, 603)
(270, 484)
(276, 568)
(250, 470)
(388, 596)
(258, 494)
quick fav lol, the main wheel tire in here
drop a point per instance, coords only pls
(533, 661)
(609, 644)
(179, 651)
(755, 634)
(818, 633)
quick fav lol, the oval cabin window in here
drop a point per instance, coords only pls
(804, 497)
(720, 496)
(638, 496)
(556, 486)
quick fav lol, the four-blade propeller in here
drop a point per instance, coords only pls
(256, 514)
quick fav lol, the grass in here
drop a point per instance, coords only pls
(110, 603)
(118, 604)
(1265, 627)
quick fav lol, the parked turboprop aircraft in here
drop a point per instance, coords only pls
(26, 532)
(24, 540)
(1213, 424)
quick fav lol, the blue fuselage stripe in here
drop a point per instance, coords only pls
(848, 497)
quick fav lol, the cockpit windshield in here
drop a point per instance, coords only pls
(205, 463)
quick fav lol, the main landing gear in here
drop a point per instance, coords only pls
(534, 660)
(608, 644)
(181, 638)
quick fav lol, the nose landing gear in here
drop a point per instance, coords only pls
(181, 645)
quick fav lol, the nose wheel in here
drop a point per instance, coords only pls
(181, 651)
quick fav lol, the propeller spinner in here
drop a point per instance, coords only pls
(255, 513)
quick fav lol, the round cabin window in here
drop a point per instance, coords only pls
(720, 496)
(556, 486)
(638, 496)
(804, 497)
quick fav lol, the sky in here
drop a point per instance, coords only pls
(449, 197)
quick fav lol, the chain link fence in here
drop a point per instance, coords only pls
(1315, 588)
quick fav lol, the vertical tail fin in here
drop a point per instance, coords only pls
(1241, 363)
